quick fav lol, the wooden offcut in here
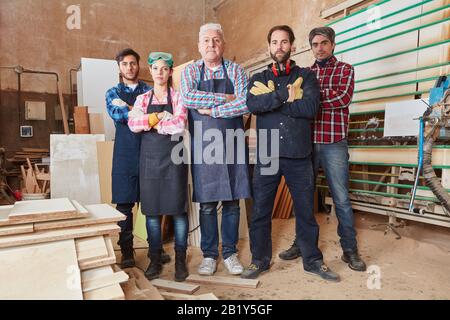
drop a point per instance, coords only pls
(173, 286)
(89, 249)
(44, 210)
(181, 296)
(110, 259)
(228, 281)
(101, 277)
(113, 292)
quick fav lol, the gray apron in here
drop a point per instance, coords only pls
(217, 182)
(163, 184)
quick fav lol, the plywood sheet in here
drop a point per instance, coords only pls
(105, 155)
(55, 235)
(74, 167)
(46, 271)
(96, 214)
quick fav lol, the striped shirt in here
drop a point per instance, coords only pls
(196, 99)
(138, 117)
(336, 82)
(116, 107)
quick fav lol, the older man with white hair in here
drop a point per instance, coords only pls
(214, 90)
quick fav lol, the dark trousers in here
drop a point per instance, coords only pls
(299, 178)
(126, 226)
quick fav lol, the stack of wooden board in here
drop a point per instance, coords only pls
(58, 249)
(283, 206)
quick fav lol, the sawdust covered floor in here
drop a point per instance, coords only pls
(414, 267)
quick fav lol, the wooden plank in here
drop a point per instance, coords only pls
(44, 271)
(173, 286)
(43, 210)
(230, 281)
(55, 235)
(95, 214)
(113, 292)
(110, 259)
(181, 296)
(104, 155)
(4, 214)
(17, 229)
(89, 249)
(104, 281)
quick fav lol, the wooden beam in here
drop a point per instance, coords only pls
(228, 281)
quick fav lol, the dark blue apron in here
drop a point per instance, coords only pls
(125, 166)
(218, 182)
(163, 183)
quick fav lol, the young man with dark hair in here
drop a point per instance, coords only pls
(125, 168)
(285, 98)
(330, 140)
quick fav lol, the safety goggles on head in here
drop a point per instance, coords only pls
(155, 56)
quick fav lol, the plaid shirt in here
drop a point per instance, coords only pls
(138, 117)
(336, 82)
(195, 99)
(116, 107)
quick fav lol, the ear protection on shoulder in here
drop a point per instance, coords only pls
(277, 71)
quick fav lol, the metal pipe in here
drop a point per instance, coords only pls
(419, 165)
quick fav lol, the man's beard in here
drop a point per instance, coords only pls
(130, 79)
(282, 59)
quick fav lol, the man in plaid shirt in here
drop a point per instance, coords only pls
(336, 81)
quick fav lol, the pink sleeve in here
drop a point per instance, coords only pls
(178, 122)
(137, 118)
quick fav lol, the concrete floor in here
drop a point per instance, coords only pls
(414, 267)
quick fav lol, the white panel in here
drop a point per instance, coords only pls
(99, 75)
(74, 167)
(399, 118)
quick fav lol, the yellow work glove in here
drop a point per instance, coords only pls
(153, 119)
(260, 88)
(298, 91)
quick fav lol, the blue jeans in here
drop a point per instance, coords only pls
(153, 224)
(209, 229)
(300, 181)
(333, 158)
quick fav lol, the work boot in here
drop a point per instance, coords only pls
(165, 258)
(354, 260)
(181, 272)
(320, 269)
(292, 253)
(127, 260)
(155, 267)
